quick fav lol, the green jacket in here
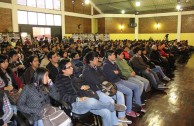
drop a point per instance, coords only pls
(126, 70)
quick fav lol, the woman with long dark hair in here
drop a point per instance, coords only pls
(36, 95)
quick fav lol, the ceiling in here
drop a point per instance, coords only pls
(146, 7)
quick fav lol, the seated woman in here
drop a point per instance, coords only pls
(153, 67)
(6, 111)
(9, 81)
(33, 64)
(34, 96)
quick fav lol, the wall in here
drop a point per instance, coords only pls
(187, 28)
(77, 25)
(5, 20)
(159, 36)
(112, 25)
(122, 36)
(77, 7)
(101, 25)
(168, 24)
(94, 25)
(5, 1)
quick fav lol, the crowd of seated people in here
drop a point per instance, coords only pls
(74, 73)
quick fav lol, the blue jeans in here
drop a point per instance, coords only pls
(38, 123)
(120, 99)
(126, 88)
(105, 98)
(96, 107)
(159, 70)
(140, 81)
(152, 77)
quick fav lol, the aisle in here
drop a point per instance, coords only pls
(176, 107)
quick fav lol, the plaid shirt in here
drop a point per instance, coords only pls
(7, 109)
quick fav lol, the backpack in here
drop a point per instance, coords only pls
(53, 116)
(109, 88)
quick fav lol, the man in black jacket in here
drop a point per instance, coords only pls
(53, 65)
(81, 97)
(94, 76)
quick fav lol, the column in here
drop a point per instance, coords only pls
(63, 17)
(14, 16)
(136, 28)
(179, 27)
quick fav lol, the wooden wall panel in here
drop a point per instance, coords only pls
(167, 24)
(5, 1)
(187, 24)
(95, 12)
(112, 25)
(77, 25)
(77, 7)
(5, 20)
(101, 25)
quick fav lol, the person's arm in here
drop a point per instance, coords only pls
(22, 106)
(53, 91)
(7, 109)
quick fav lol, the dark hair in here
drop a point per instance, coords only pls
(143, 49)
(136, 49)
(44, 46)
(31, 59)
(50, 54)
(118, 52)
(109, 52)
(62, 64)
(2, 58)
(2, 74)
(11, 53)
(39, 77)
(73, 55)
(61, 53)
(90, 56)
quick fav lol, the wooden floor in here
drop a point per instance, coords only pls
(176, 106)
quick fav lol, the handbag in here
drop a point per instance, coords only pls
(109, 88)
(91, 94)
(53, 116)
(14, 96)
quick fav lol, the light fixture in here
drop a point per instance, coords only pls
(121, 27)
(178, 7)
(137, 3)
(123, 11)
(157, 26)
(87, 1)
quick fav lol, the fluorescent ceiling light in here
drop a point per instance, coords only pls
(137, 3)
(123, 11)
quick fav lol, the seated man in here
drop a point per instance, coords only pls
(112, 74)
(93, 75)
(139, 64)
(78, 94)
(128, 72)
(152, 66)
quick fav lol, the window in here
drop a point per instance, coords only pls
(49, 4)
(40, 3)
(22, 17)
(21, 2)
(41, 19)
(31, 3)
(57, 20)
(57, 5)
(49, 19)
(32, 18)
